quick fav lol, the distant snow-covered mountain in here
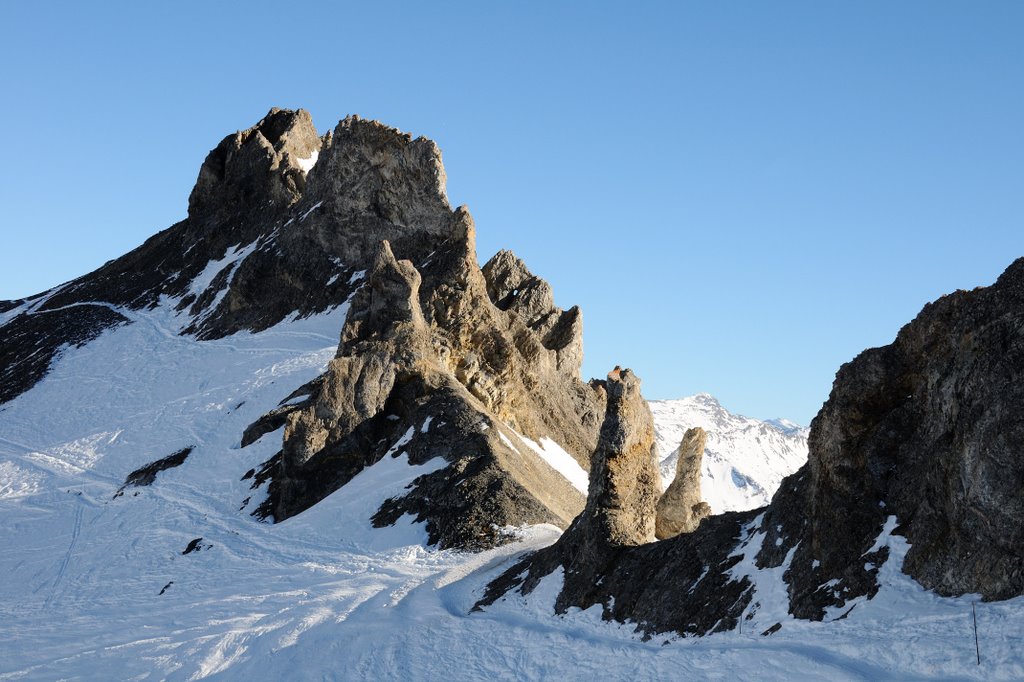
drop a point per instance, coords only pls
(745, 459)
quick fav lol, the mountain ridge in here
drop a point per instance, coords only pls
(325, 347)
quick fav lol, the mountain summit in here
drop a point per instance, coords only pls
(438, 357)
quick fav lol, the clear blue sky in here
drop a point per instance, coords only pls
(741, 196)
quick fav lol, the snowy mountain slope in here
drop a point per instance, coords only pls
(745, 459)
(186, 342)
(99, 588)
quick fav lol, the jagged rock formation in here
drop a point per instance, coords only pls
(436, 349)
(620, 511)
(680, 509)
(483, 355)
(925, 432)
(449, 359)
(927, 429)
(281, 222)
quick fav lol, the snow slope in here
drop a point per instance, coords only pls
(745, 459)
(98, 587)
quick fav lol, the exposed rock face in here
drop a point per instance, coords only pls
(293, 217)
(624, 479)
(680, 509)
(620, 511)
(437, 357)
(257, 166)
(513, 287)
(434, 348)
(926, 432)
(929, 430)
(31, 339)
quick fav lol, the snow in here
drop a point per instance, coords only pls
(770, 601)
(324, 595)
(310, 210)
(745, 459)
(233, 257)
(561, 461)
(406, 437)
(16, 481)
(306, 165)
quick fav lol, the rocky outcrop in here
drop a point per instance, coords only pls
(620, 510)
(431, 366)
(437, 357)
(927, 430)
(511, 286)
(919, 439)
(680, 509)
(314, 239)
(281, 222)
(624, 478)
(259, 166)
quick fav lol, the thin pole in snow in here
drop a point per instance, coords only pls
(977, 648)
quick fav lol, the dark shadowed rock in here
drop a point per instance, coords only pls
(257, 166)
(31, 340)
(680, 509)
(928, 429)
(147, 474)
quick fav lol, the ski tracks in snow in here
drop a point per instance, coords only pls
(76, 532)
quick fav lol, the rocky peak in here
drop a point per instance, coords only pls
(370, 183)
(375, 182)
(681, 509)
(422, 336)
(281, 223)
(512, 287)
(927, 429)
(624, 480)
(261, 164)
(620, 510)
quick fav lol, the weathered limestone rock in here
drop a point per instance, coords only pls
(384, 338)
(514, 288)
(927, 429)
(401, 384)
(416, 346)
(680, 509)
(921, 438)
(624, 479)
(251, 166)
(620, 510)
